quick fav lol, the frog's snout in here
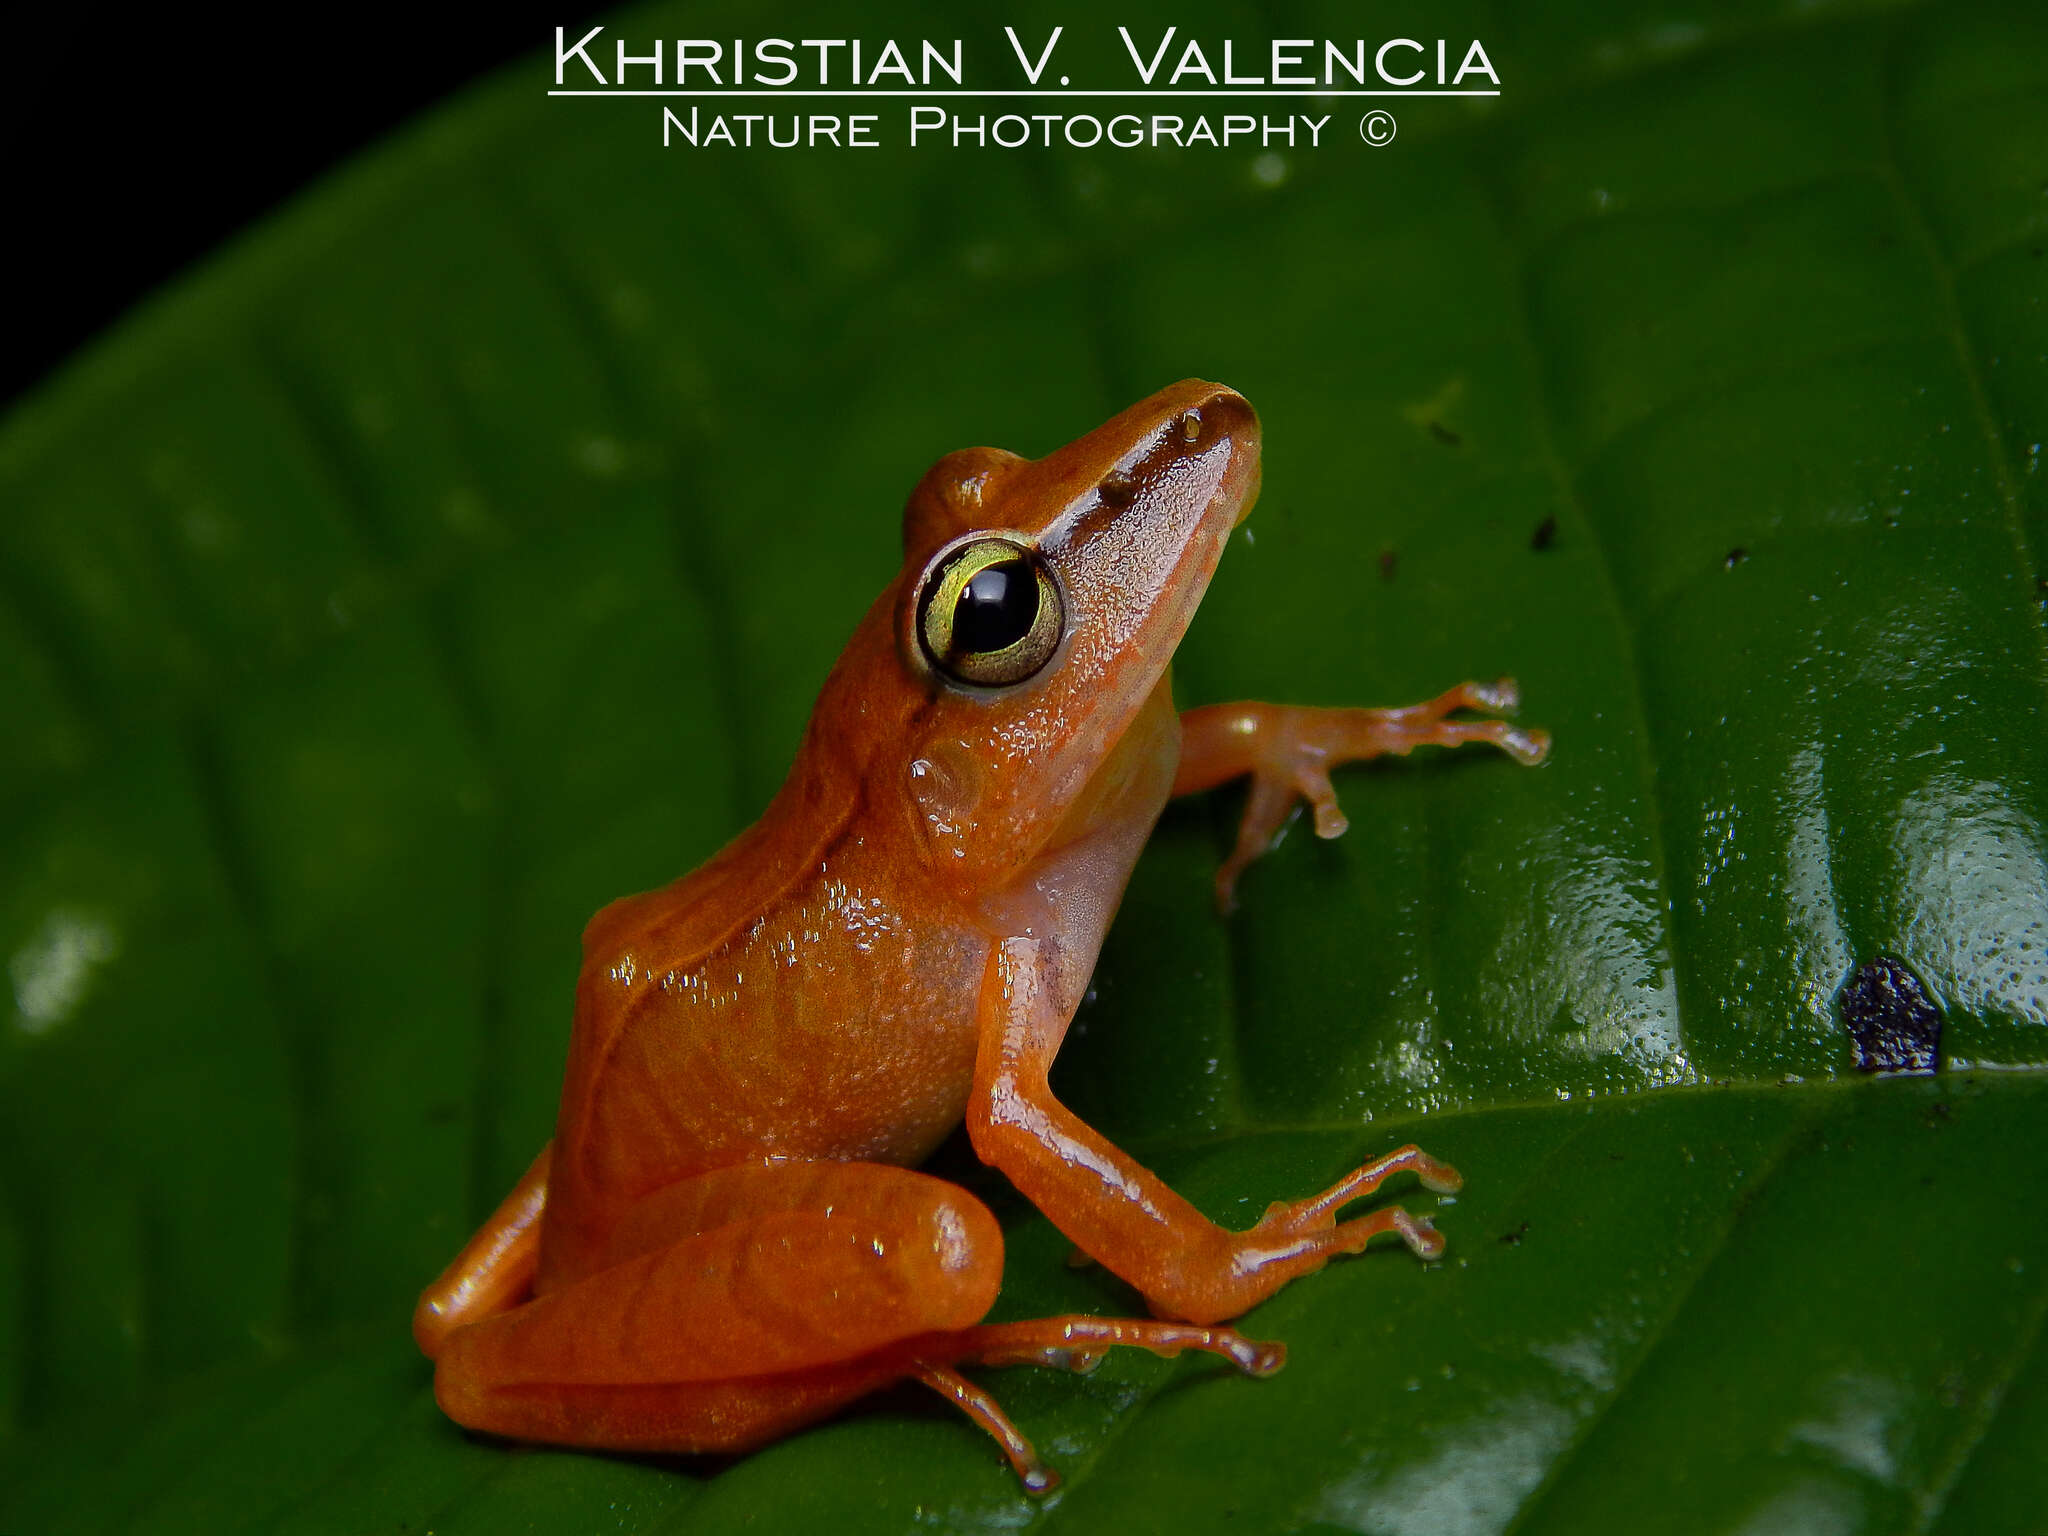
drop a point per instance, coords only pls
(1193, 419)
(1220, 414)
(1227, 414)
(1251, 495)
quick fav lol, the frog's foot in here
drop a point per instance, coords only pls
(1294, 1237)
(1074, 1343)
(1289, 752)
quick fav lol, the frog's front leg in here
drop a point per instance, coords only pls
(1119, 1212)
(1289, 751)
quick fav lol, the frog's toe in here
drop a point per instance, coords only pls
(1354, 1235)
(1312, 783)
(984, 1410)
(1502, 696)
(1438, 1178)
(1423, 1239)
(1526, 747)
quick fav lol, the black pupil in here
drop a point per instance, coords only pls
(996, 608)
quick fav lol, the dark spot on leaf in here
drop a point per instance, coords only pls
(1545, 534)
(1444, 434)
(443, 1113)
(1387, 562)
(1889, 1018)
(1515, 1237)
(1734, 557)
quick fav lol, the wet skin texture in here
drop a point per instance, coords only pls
(725, 1239)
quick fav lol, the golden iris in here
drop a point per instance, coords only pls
(990, 614)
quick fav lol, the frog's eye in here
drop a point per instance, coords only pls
(990, 613)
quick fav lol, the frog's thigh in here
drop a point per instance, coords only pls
(753, 1300)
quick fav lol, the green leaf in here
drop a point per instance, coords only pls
(464, 548)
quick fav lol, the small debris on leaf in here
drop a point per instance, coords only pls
(1545, 534)
(1891, 1022)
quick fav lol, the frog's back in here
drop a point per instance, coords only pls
(796, 996)
(837, 1023)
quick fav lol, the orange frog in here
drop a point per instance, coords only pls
(726, 1240)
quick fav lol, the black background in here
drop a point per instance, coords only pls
(137, 142)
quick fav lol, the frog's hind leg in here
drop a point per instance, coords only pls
(496, 1267)
(1289, 751)
(730, 1308)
